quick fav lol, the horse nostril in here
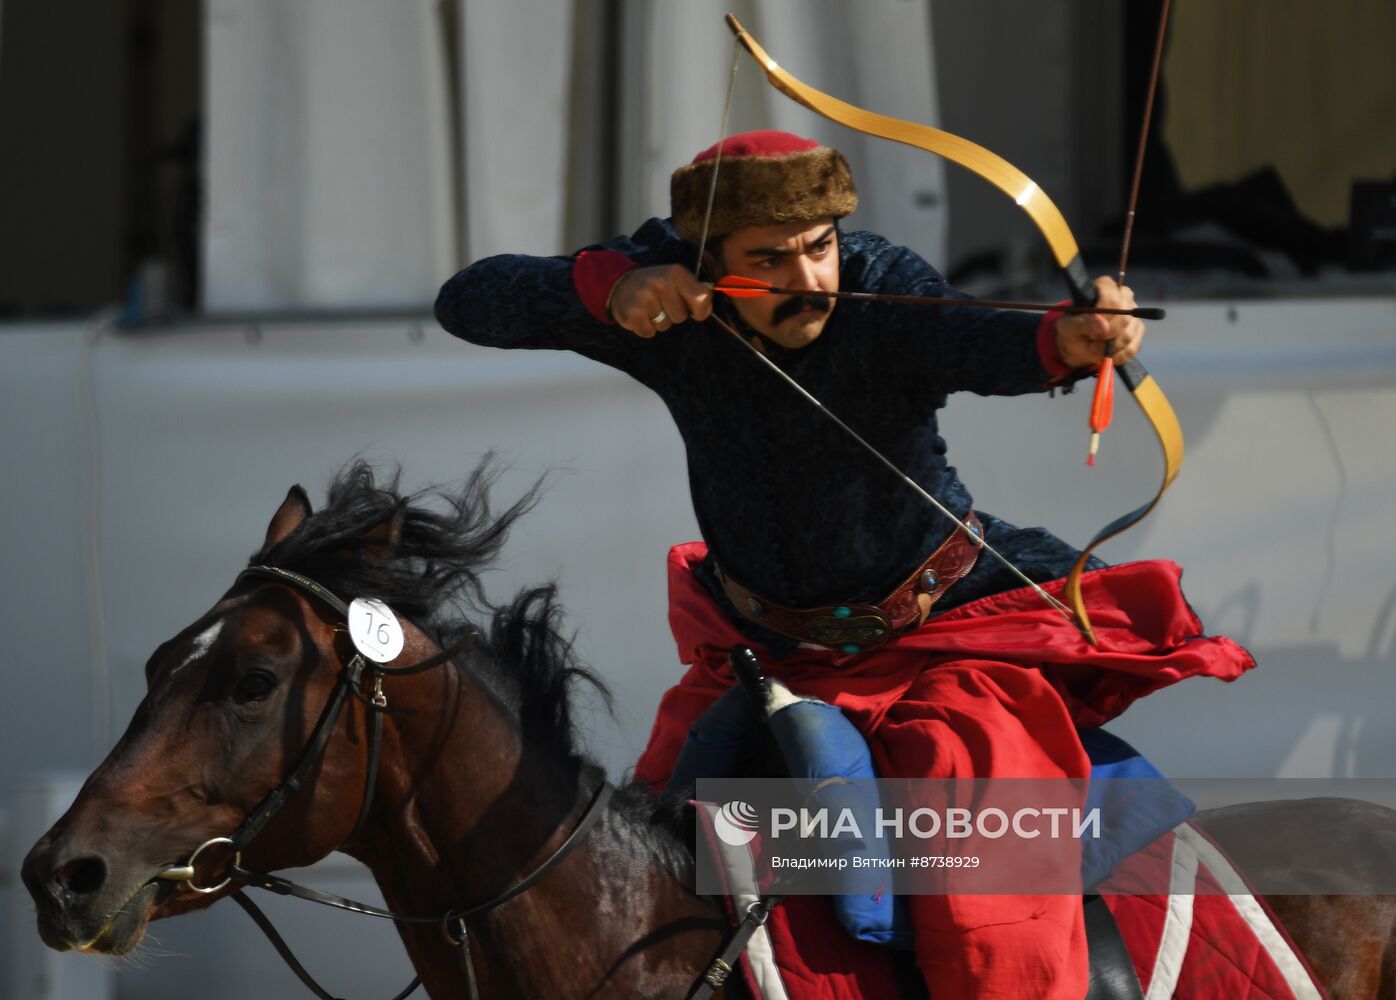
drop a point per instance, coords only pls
(82, 876)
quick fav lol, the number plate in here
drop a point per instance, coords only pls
(374, 629)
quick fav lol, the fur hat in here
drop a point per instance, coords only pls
(764, 178)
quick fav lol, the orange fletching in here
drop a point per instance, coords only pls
(737, 287)
(1102, 404)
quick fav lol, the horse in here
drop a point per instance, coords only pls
(458, 781)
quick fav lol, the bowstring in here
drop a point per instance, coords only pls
(975, 537)
(717, 161)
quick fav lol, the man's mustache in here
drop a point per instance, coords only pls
(793, 306)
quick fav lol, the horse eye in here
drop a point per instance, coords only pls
(254, 685)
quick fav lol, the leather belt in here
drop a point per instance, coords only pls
(854, 628)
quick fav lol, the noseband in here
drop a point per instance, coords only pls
(350, 683)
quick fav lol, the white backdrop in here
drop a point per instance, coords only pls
(328, 160)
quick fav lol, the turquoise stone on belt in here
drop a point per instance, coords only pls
(842, 612)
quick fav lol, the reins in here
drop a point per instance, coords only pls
(350, 684)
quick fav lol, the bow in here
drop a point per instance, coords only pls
(1048, 219)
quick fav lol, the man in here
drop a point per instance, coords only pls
(853, 589)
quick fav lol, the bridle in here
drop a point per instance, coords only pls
(351, 681)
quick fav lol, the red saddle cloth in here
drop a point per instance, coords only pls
(995, 688)
(1209, 937)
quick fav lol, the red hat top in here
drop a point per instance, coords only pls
(762, 142)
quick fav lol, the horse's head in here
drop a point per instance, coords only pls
(478, 792)
(230, 702)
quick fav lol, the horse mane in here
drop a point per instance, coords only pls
(432, 575)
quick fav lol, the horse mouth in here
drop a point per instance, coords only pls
(118, 934)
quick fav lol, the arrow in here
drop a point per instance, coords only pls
(738, 287)
(1103, 401)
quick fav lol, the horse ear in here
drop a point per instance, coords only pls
(288, 517)
(383, 541)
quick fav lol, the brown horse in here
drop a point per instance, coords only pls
(476, 781)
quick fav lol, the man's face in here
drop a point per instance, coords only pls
(787, 255)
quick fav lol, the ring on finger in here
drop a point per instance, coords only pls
(660, 317)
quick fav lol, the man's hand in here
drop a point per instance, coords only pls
(1081, 339)
(649, 300)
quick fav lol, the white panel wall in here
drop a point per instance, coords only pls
(328, 155)
(516, 62)
(331, 147)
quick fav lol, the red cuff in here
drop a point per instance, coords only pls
(1047, 345)
(594, 274)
